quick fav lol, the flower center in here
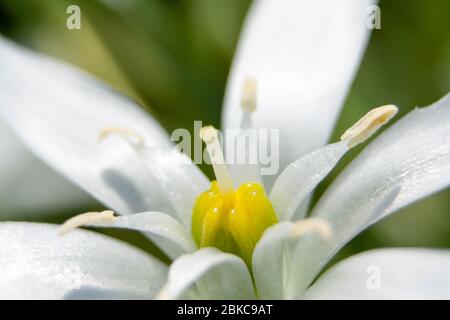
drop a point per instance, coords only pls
(225, 218)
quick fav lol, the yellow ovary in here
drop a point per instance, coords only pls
(233, 222)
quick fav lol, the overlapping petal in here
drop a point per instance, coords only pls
(413, 155)
(303, 55)
(59, 112)
(302, 255)
(270, 261)
(407, 162)
(181, 181)
(155, 223)
(37, 263)
(300, 178)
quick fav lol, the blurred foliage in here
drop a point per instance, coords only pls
(174, 56)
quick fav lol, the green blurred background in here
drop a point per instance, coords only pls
(174, 56)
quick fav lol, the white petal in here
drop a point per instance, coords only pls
(303, 55)
(209, 274)
(242, 159)
(271, 260)
(39, 264)
(59, 112)
(180, 179)
(413, 154)
(156, 223)
(28, 186)
(300, 178)
(407, 162)
(387, 274)
(300, 257)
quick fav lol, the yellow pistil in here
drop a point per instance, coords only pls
(228, 219)
(233, 224)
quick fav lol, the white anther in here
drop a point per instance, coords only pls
(368, 125)
(312, 225)
(163, 294)
(132, 136)
(248, 98)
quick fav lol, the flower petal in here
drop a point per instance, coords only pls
(301, 255)
(156, 223)
(271, 260)
(387, 274)
(300, 178)
(413, 154)
(28, 186)
(242, 159)
(180, 179)
(303, 55)
(59, 112)
(39, 264)
(405, 163)
(209, 274)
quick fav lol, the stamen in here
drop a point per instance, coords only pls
(248, 100)
(132, 136)
(368, 125)
(209, 135)
(318, 225)
(85, 219)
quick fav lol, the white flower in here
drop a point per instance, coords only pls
(303, 55)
